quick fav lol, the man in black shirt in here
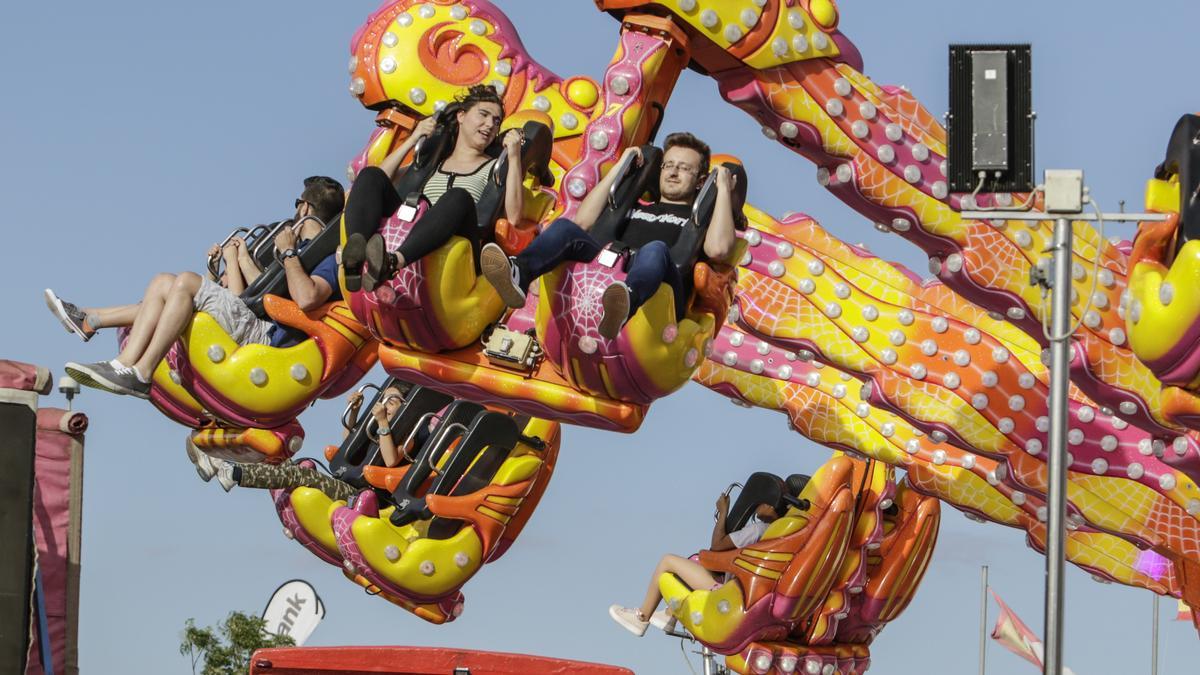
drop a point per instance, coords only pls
(651, 230)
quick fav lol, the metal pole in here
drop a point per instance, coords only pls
(983, 620)
(709, 661)
(1060, 354)
(1154, 639)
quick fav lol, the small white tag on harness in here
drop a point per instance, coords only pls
(608, 257)
(407, 213)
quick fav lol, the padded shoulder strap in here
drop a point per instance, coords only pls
(634, 182)
(489, 440)
(1183, 160)
(535, 159)
(346, 464)
(359, 451)
(427, 156)
(760, 488)
(688, 247)
(273, 280)
(458, 417)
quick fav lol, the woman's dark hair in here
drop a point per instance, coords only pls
(684, 139)
(479, 93)
(325, 195)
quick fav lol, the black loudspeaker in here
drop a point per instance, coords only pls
(18, 433)
(991, 118)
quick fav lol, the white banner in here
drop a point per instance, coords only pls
(295, 609)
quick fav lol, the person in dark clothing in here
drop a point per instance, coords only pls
(452, 192)
(651, 230)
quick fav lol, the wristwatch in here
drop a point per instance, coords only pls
(290, 253)
(384, 429)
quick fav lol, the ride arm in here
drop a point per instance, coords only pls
(514, 191)
(593, 204)
(391, 163)
(720, 239)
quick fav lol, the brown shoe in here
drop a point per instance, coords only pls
(615, 302)
(381, 264)
(354, 254)
(502, 274)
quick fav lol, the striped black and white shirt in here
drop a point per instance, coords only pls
(474, 183)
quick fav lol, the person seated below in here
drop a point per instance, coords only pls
(651, 229)
(452, 192)
(635, 620)
(171, 301)
(289, 475)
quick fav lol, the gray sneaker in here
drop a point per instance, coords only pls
(502, 274)
(102, 375)
(206, 466)
(74, 320)
(227, 475)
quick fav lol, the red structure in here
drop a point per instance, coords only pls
(415, 661)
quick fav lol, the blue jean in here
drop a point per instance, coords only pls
(563, 240)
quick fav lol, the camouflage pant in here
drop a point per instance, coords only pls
(285, 476)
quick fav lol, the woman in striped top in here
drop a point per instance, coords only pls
(452, 192)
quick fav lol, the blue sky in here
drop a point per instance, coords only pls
(136, 134)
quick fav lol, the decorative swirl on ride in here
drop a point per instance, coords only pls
(445, 56)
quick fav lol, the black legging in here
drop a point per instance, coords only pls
(373, 198)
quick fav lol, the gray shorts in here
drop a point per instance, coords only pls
(232, 314)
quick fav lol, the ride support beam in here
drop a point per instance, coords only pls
(637, 85)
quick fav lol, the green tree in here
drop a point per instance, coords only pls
(225, 649)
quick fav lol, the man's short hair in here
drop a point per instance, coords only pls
(325, 195)
(684, 139)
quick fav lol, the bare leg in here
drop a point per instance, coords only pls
(177, 312)
(692, 574)
(147, 316)
(112, 317)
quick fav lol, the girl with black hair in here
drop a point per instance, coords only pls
(452, 191)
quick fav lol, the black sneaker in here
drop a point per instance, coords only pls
(74, 320)
(615, 302)
(102, 375)
(502, 274)
(354, 254)
(381, 265)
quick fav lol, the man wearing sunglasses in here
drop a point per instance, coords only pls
(171, 301)
(651, 230)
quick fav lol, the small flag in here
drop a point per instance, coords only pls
(1184, 613)
(1016, 637)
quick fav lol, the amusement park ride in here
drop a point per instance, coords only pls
(948, 380)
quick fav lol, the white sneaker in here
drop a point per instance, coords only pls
(662, 620)
(225, 476)
(203, 462)
(629, 618)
